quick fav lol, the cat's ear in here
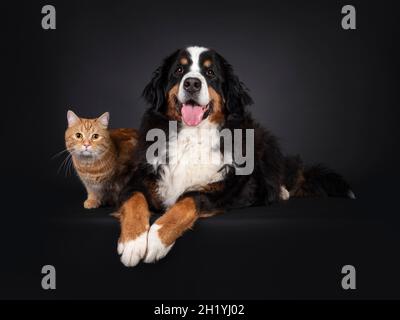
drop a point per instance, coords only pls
(72, 118)
(104, 119)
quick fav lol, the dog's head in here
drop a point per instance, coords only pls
(194, 84)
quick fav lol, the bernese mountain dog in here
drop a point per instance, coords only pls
(196, 89)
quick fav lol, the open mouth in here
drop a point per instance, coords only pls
(193, 113)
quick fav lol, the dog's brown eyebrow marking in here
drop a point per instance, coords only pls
(207, 63)
(184, 61)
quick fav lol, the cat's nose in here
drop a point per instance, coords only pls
(86, 144)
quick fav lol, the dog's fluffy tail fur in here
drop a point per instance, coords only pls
(314, 181)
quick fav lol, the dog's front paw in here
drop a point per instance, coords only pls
(156, 249)
(132, 251)
(91, 204)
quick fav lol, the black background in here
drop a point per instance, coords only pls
(329, 94)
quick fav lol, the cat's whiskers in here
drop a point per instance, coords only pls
(64, 162)
(59, 153)
(69, 166)
(67, 163)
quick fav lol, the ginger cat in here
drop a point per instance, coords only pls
(102, 157)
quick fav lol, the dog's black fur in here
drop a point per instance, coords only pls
(271, 168)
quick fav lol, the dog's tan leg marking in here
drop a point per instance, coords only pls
(165, 230)
(134, 219)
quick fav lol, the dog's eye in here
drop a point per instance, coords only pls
(179, 70)
(78, 135)
(210, 73)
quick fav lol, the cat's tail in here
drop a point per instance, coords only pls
(314, 181)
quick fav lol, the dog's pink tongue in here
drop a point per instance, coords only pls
(192, 115)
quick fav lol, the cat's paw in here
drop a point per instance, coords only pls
(132, 251)
(91, 204)
(284, 194)
(156, 249)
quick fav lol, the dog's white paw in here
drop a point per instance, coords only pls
(156, 250)
(133, 251)
(284, 194)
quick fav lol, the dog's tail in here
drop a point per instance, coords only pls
(314, 181)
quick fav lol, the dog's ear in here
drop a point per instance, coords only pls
(236, 94)
(155, 91)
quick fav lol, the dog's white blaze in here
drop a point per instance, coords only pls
(185, 171)
(203, 98)
(195, 53)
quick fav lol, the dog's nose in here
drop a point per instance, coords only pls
(192, 85)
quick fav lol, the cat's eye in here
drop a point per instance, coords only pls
(95, 136)
(78, 135)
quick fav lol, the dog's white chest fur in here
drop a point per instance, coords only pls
(194, 161)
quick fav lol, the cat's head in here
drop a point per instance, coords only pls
(87, 138)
